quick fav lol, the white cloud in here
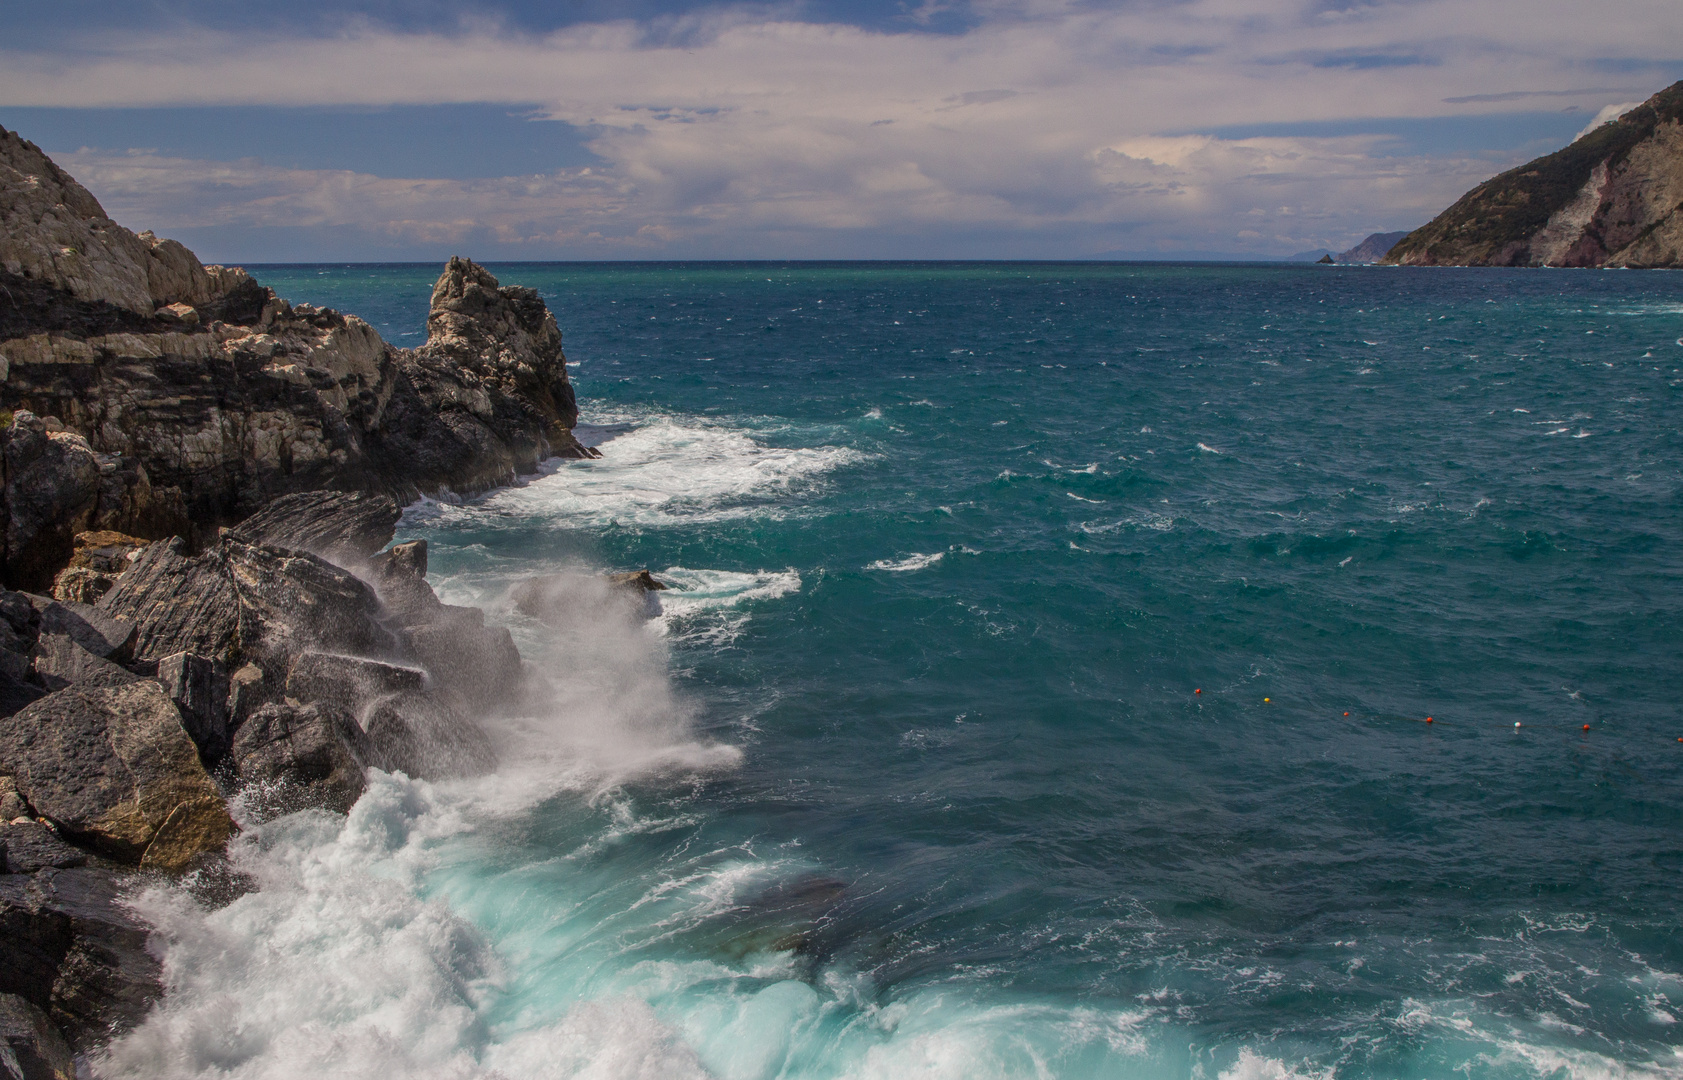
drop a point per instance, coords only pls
(735, 134)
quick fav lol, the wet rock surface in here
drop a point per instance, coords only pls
(206, 479)
(38, 1051)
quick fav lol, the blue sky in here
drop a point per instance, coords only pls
(825, 128)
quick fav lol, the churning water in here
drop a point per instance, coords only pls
(1041, 693)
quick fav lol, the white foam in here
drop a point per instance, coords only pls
(914, 561)
(663, 471)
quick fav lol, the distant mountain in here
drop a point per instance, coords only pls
(1372, 249)
(1309, 256)
(1612, 198)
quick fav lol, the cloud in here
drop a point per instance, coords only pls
(732, 131)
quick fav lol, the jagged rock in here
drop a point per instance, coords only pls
(240, 602)
(12, 805)
(37, 1050)
(1612, 198)
(637, 581)
(99, 558)
(343, 528)
(115, 769)
(407, 560)
(400, 579)
(476, 661)
(200, 691)
(427, 735)
(178, 603)
(349, 681)
(100, 633)
(15, 694)
(60, 661)
(201, 395)
(311, 754)
(51, 493)
(248, 689)
(70, 948)
(299, 602)
(31, 846)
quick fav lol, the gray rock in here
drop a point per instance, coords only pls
(51, 492)
(115, 769)
(97, 631)
(427, 735)
(464, 655)
(36, 1049)
(248, 689)
(349, 681)
(12, 804)
(18, 614)
(241, 602)
(200, 691)
(178, 603)
(343, 528)
(305, 755)
(60, 661)
(68, 946)
(15, 694)
(32, 846)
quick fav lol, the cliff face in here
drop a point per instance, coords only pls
(1613, 198)
(154, 396)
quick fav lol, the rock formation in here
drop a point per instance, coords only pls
(1371, 250)
(205, 477)
(153, 396)
(1612, 198)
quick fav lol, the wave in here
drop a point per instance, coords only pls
(656, 471)
(914, 561)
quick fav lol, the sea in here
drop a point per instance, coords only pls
(1145, 671)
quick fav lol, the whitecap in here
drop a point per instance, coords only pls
(915, 561)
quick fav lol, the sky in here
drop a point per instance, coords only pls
(374, 130)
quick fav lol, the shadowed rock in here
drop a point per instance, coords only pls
(38, 1051)
(68, 947)
(60, 661)
(30, 846)
(426, 734)
(200, 692)
(114, 769)
(306, 755)
(240, 602)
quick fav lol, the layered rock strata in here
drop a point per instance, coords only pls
(153, 396)
(1612, 198)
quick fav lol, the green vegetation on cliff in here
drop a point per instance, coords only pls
(1498, 222)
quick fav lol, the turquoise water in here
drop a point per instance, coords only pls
(1043, 694)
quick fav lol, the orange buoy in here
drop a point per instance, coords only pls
(1197, 691)
(1586, 727)
(1346, 714)
(1428, 719)
(1266, 700)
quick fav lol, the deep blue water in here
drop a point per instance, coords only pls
(1044, 693)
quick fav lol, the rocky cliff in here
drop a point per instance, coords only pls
(208, 477)
(146, 394)
(1612, 198)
